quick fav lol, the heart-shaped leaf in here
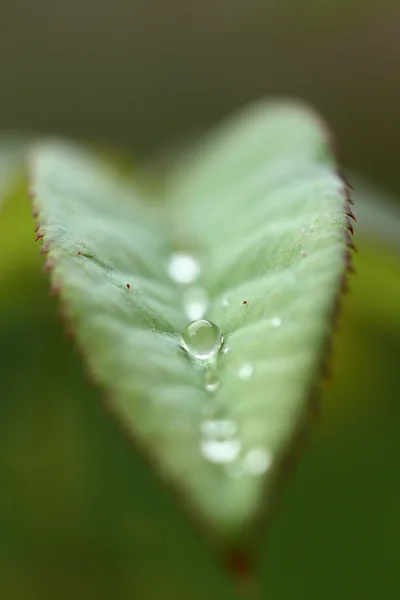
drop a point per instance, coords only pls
(249, 232)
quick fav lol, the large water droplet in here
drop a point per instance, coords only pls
(183, 268)
(246, 371)
(257, 461)
(195, 303)
(220, 451)
(202, 339)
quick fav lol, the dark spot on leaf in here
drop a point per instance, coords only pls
(128, 286)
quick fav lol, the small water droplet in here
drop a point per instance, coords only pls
(303, 253)
(195, 302)
(202, 339)
(212, 386)
(246, 371)
(218, 428)
(183, 268)
(226, 350)
(225, 302)
(220, 452)
(257, 461)
(211, 382)
(276, 322)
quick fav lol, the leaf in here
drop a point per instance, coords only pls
(261, 208)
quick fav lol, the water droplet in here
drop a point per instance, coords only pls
(211, 382)
(218, 428)
(257, 461)
(212, 386)
(303, 253)
(225, 302)
(276, 322)
(195, 303)
(246, 371)
(202, 339)
(226, 350)
(183, 268)
(220, 452)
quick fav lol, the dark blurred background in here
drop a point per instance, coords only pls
(80, 516)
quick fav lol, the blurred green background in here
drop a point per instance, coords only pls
(80, 515)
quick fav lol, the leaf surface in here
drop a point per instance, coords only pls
(260, 208)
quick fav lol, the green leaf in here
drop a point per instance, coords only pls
(260, 209)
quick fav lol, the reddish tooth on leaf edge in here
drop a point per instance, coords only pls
(48, 265)
(39, 236)
(350, 227)
(344, 286)
(349, 241)
(35, 213)
(55, 289)
(350, 213)
(44, 249)
(348, 262)
(37, 227)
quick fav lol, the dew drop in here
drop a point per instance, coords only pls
(212, 386)
(211, 382)
(220, 452)
(195, 302)
(202, 339)
(226, 350)
(218, 428)
(276, 322)
(257, 461)
(219, 444)
(246, 371)
(183, 268)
